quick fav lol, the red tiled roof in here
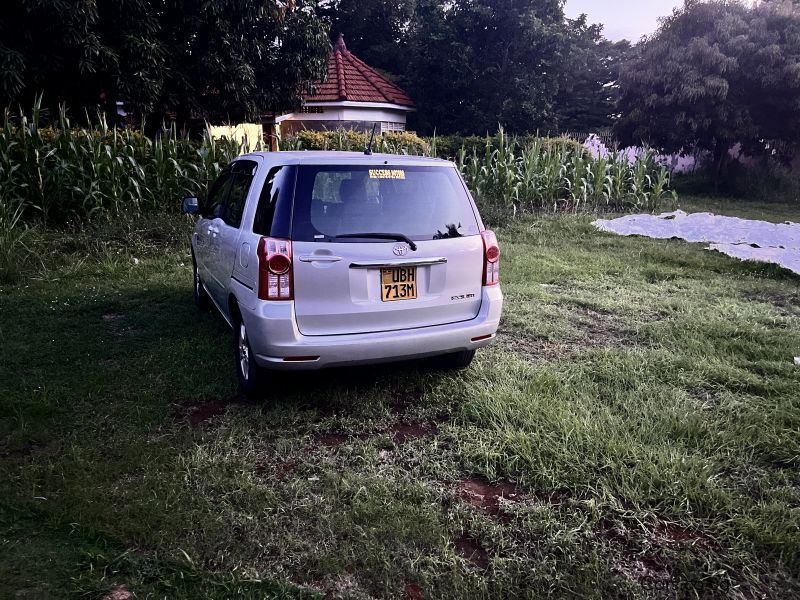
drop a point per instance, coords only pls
(351, 79)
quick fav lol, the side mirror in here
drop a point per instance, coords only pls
(190, 206)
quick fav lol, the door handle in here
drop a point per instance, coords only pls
(386, 264)
(326, 258)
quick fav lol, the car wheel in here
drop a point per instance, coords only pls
(458, 360)
(200, 294)
(251, 376)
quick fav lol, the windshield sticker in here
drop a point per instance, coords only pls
(387, 174)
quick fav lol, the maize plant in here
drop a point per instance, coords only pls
(60, 174)
(558, 174)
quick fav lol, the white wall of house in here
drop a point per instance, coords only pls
(249, 135)
(391, 116)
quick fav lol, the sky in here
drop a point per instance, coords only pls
(623, 19)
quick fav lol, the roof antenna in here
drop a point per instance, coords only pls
(368, 149)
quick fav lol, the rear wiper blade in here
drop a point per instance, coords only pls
(380, 236)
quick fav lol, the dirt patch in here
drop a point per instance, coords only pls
(470, 548)
(399, 434)
(595, 329)
(118, 328)
(785, 304)
(643, 547)
(646, 571)
(413, 591)
(119, 593)
(331, 440)
(540, 348)
(202, 411)
(205, 412)
(673, 534)
(487, 496)
(635, 559)
(654, 533)
(401, 400)
(403, 432)
(279, 471)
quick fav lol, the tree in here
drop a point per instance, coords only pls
(218, 59)
(474, 64)
(715, 74)
(54, 45)
(588, 91)
(375, 30)
(769, 61)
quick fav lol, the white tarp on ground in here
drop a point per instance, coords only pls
(741, 238)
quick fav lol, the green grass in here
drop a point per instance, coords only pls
(641, 398)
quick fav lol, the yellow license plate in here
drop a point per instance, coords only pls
(398, 283)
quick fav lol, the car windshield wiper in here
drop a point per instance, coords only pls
(380, 236)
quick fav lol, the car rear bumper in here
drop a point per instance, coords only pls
(278, 344)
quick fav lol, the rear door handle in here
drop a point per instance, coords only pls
(387, 264)
(326, 258)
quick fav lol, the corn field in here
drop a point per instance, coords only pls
(511, 176)
(59, 174)
(506, 175)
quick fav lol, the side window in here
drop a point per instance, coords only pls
(273, 215)
(237, 198)
(217, 194)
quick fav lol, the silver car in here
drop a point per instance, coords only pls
(324, 259)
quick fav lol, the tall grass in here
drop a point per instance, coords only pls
(13, 249)
(59, 174)
(515, 176)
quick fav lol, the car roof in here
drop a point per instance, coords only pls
(322, 157)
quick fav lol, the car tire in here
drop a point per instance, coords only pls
(251, 376)
(200, 295)
(457, 361)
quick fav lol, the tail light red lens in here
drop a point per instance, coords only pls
(275, 269)
(491, 255)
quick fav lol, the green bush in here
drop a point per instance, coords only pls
(348, 140)
(768, 181)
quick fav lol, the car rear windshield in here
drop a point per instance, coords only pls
(422, 203)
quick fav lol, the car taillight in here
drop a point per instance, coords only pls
(491, 258)
(275, 269)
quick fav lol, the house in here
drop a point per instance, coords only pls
(354, 96)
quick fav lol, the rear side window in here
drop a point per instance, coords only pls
(216, 195)
(243, 172)
(423, 203)
(236, 199)
(274, 211)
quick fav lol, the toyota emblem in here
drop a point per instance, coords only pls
(400, 249)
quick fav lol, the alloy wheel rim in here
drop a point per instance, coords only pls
(244, 352)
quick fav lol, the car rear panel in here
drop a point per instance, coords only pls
(338, 285)
(427, 229)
